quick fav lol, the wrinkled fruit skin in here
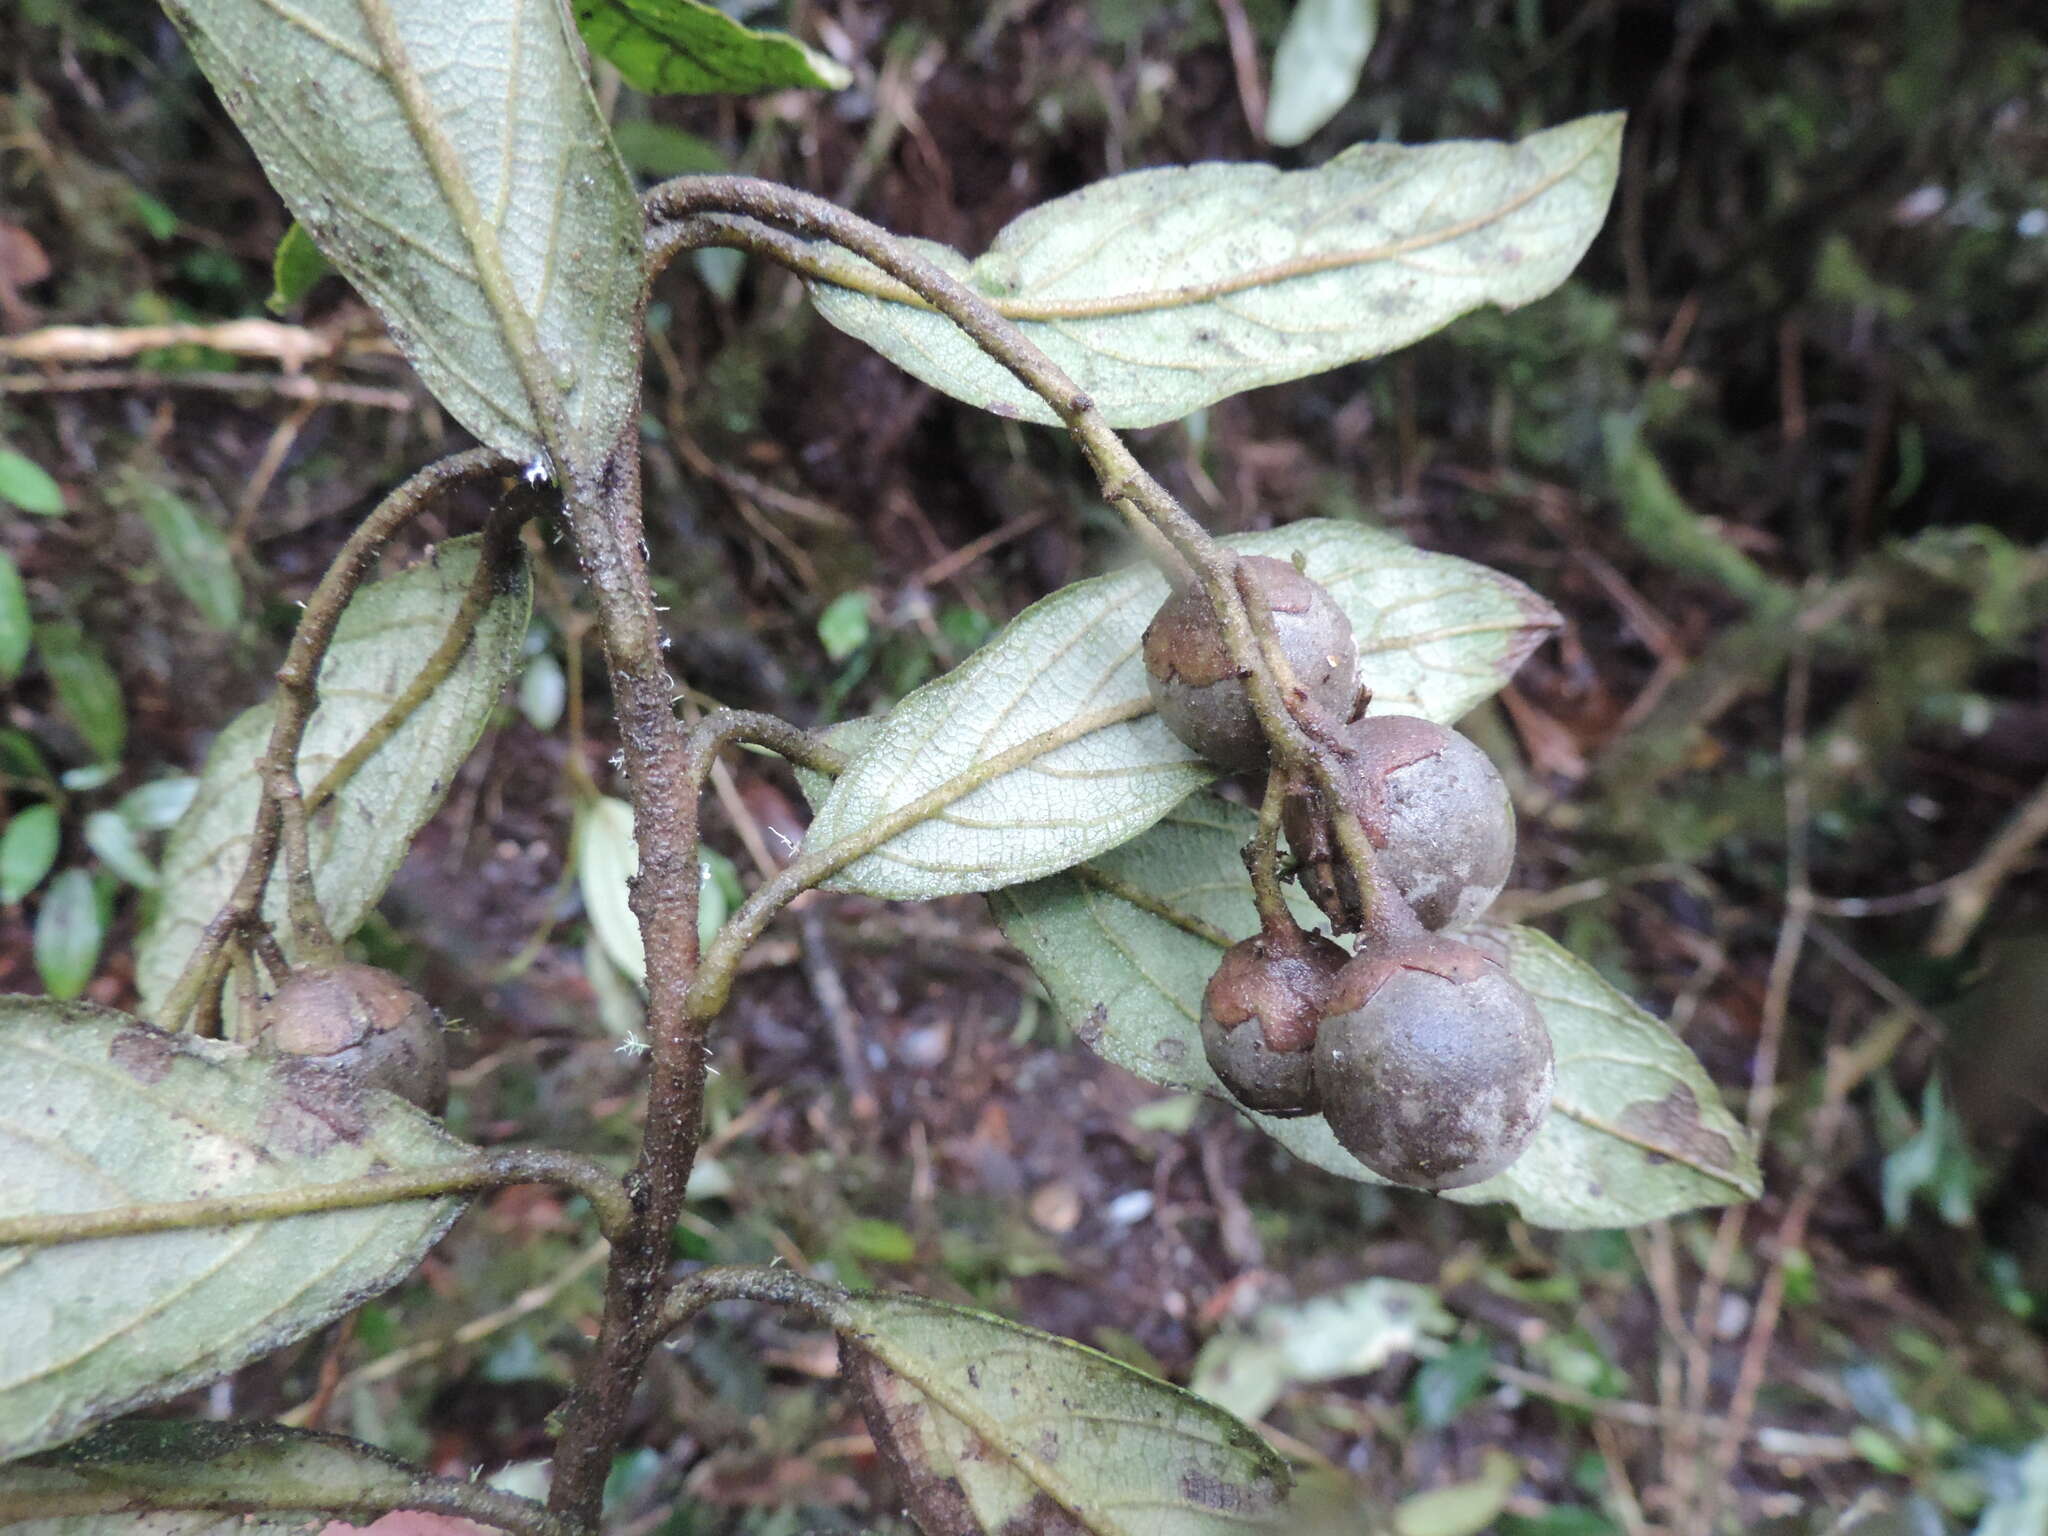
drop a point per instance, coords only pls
(1259, 1016)
(1433, 1067)
(1196, 688)
(362, 1021)
(1435, 810)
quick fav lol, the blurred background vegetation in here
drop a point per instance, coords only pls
(1779, 452)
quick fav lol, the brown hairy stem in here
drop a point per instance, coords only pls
(297, 695)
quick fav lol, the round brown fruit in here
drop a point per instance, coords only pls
(1259, 1017)
(1433, 1067)
(1435, 810)
(362, 1021)
(1196, 687)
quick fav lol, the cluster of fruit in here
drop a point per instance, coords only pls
(1431, 1065)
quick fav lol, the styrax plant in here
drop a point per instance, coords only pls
(232, 1169)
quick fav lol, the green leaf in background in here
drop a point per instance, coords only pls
(1164, 290)
(843, 626)
(194, 551)
(168, 1466)
(464, 184)
(1636, 1130)
(88, 692)
(16, 627)
(110, 836)
(543, 691)
(157, 805)
(1463, 1509)
(360, 836)
(662, 150)
(1658, 519)
(1446, 1384)
(993, 1427)
(25, 483)
(607, 857)
(28, 849)
(688, 48)
(1435, 635)
(1348, 1333)
(2022, 1509)
(295, 266)
(99, 1110)
(70, 929)
(1317, 65)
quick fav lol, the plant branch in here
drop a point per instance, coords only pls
(1262, 855)
(749, 1282)
(492, 1170)
(297, 696)
(675, 211)
(814, 866)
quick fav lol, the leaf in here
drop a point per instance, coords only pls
(1435, 636)
(28, 486)
(87, 690)
(195, 553)
(295, 266)
(993, 1427)
(16, 626)
(1463, 1509)
(361, 835)
(461, 178)
(70, 929)
(98, 1110)
(1636, 1129)
(1317, 65)
(543, 691)
(1164, 290)
(2021, 1509)
(1348, 1333)
(109, 835)
(843, 626)
(170, 1466)
(28, 849)
(608, 856)
(687, 48)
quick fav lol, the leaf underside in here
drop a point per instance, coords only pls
(1164, 290)
(1436, 635)
(361, 835)
(1637, 1130)
(98, 1110)
(995, 1427)
(297, 1478)
(451, 162)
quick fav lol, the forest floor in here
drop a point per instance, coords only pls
(1779, 454)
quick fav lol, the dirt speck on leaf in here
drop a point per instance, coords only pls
(1673, 1122)
(144, 1053)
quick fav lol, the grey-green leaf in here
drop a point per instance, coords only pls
(1637, 1130)
(114, 839)
(1316, 66)
(87, 690)
(1436, 635)
(685, 47)
(70, 929)
(28, 849)
(460, 176)
(196, 1478)
(193, 549)
(98, 1110)
(16, 626)
(360, 836)
(993, 1427)
(1164, 290)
